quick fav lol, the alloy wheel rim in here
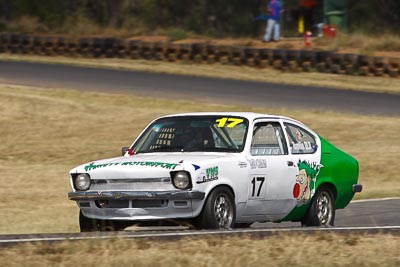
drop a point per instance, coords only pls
(223, 211)
(324, 208)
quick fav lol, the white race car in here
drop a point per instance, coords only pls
(216, 170)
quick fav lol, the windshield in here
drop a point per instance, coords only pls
(194, 133)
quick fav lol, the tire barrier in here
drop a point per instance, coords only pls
(201, 53)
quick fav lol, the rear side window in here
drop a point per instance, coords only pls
(300, 140)
(268, 139)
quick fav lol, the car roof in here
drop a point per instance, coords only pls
(251, 116)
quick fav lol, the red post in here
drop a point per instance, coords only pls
(307, 38)
(333, 31)
(326, 31)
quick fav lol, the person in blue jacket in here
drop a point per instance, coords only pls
(274, 10)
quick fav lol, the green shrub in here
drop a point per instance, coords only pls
(176, 34)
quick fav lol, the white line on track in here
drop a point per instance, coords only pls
(276, 230)
(200, 233)
(375, 199)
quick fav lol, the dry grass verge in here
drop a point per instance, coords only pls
(369, 84)
(371, 44)
(46, 132)
(283, 250)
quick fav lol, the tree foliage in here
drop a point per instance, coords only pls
(374, 16)
(211, 17)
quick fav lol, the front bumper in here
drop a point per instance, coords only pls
(357, 188)
(132, 195)
(139, 205)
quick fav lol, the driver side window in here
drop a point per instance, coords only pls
(268, 139)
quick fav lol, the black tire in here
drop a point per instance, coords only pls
(242, 225)
(322, 209)
(91, 225)
(87, 224)
(219, 211)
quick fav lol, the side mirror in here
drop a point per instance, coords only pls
(124, 150)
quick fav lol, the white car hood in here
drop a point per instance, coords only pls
(152, 165)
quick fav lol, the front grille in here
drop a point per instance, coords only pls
(124, 204)
(132, 184)
(112, 204)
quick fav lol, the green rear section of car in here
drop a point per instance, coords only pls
(339, 172)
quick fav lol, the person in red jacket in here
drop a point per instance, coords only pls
(307, 8)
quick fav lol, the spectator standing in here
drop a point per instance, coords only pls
(274, 10)
(307, 8)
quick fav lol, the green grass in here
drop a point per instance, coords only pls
(46, 132)
(176, 34)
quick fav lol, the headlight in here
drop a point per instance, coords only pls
(181, 180)
(82, 182)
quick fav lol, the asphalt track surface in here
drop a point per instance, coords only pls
(199, 89)
(363, 213)
(359, 217)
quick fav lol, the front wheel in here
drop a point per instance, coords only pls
(91, 225)
(219, 211)
(87, 224)
(322, 209)
(242, 225)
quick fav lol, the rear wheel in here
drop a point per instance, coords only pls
(219, 211)
(322, 209)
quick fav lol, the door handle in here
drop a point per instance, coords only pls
(290, 163)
